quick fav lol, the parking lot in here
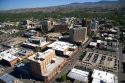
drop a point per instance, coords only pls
(100, 60)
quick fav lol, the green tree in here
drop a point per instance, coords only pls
(82, 56)
(63, 77)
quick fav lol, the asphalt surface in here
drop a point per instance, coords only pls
(121, 74)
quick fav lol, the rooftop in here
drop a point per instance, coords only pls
(54, 35)
(9, 54)
(7, 78)
(40, 56)
(79, 27)
(59, 45)
(44, 54)
(102, 76)
(78, 74)
(51, 67)
(14, 41)
(9, 57)
(93, 44)
(36, 42)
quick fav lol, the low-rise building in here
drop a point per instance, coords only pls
(24, 53)
(103, 77)
(35, 42)
(7, 78)
(79, 75)
(14, 42)
(32, 24)
(8, 57)
(31, 33)
(63, 48)
(54, 36)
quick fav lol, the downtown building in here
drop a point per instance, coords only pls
(94, 25)
(78, 35)
(45, 65)
(60, 27)
(47, 24)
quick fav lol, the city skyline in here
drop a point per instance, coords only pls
(18, 4)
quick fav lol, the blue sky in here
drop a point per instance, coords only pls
(15, 4)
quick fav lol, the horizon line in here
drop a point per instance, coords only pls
(52, 5)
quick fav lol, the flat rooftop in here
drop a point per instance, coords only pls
(44, 54)
(7, 78)
(8, 55)
(78, 74)
(14, 41)
(103, 76)
(41, 55)
(55, 35)
(42, 44)
(59, 45)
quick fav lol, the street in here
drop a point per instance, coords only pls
(121, 75)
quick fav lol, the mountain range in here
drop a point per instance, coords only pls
(87, 6)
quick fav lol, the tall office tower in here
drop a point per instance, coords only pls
(79, 34)
(84, 23)
(94, 25)
(88, 25)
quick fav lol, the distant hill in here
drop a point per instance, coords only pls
(87, 6)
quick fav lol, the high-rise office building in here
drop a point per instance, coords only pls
(94, 25)
(84, 23)
(88, 25)
(78, 34)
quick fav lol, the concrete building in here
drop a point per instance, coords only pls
(33, 24)
(8, 57)
(14, 42)
(24, 53)
(45, 65)
(7, 78)
(84, 22)
(63, 48)
(31, 33)
(47, 25)
(30, 24)
(78, 35)
(35, 42)
(60, 27)
(88, 25)
(54, 36)
(79, 75)
(94, 25)
(103, 77)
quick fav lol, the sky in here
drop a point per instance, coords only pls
(16, 4)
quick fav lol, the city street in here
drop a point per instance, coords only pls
(121, 75)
